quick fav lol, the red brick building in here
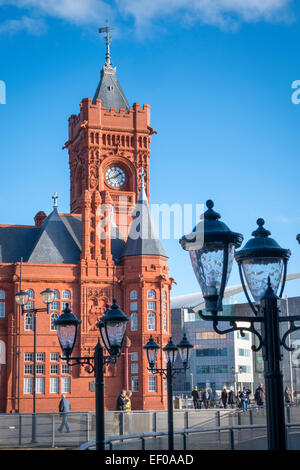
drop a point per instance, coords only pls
(88, 258)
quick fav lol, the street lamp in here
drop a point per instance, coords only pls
(171, 352)
(263, 263)
(112, 327)
(22, 298)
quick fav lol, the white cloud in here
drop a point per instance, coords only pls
(222, 13)
(32, 26)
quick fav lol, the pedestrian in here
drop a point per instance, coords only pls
(195, 396)
(224, 397)
(244, 399)
(231, 398)
(259, 396)
(64, 408)
(200, 399)
(288, 396)
(206, 398)
(128, 400)
(122, 400)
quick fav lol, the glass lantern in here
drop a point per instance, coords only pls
(171, 352)
(22, 298)
(112, 327)
(262, 260)
(48, 296)
(211, 246)
(66, 327)
(152, 349)
(184, 348)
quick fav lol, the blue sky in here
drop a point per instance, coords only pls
(218, 77)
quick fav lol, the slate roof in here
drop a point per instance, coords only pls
(57, 241)
(109, 90)
(143, 238)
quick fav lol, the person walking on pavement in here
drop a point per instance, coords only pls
(231, 398)
(200, 399)
(195, 396)
(244, 399)
(206, 398)
(122, 400)
(224, 398)
(64, 408)
(288, 396)
(259, 396)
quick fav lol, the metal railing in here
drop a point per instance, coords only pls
(226, 438)
(16, 429)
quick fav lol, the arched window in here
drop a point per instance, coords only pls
(66, 294)
(133, 295)
(134, 322)
(2, 352)
(30, 293)
(56, 294)
(28, 322)
(2, 303)
(151, 294)
(151, 321)
(53, 317)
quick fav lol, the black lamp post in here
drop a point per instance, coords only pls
(170, 351)
(22, 298)
(112, 327)
(263, 263)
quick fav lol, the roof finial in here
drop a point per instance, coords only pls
(142, 175)
(55, 197)
(107, 30)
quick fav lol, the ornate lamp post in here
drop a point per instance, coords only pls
(112, 327)
(22, 298)
(170, 351)
(263, 263)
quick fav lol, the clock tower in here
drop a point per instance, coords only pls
(109, 144)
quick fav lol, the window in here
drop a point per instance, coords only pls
(54, 357)
(28, 322)
(151, 321)
(151, 305)
(211, 352)
(134, 322)
(133, 295)
(209, 335)
(134, 384)
(54, 306)
(164, 307)
(244, 369)
(2, 304)
(28, 369)
(40, 369)
(29, 305)
(28, 357)
(215, 369)
(134, 357)
(65, 304)
(151, 294)
(53, 384)
(244, 352)
(65, 385)
(165, 322)
(54, 369)
(27, 385)
(30, 293)
(133, 306)
(53, 317)
(65, 369)
(164, 296)
(40, 385)
(56, 294)
(40, 357)
(152, 383)
(66, 294)
(134, 368)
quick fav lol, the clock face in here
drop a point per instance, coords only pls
(115, 176)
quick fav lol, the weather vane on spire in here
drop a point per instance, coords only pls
(55, 197)
(107, 30)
